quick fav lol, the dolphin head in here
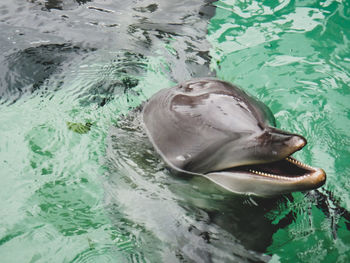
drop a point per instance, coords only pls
(214, 129)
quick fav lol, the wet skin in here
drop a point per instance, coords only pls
(212, 128)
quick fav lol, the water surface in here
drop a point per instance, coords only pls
(294, 55)
(80, 183)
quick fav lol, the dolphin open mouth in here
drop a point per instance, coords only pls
(270, 179)
(278, 176)
(288, 169)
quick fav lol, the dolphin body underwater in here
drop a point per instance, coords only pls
(213, 129)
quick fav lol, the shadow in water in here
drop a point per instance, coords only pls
(26, 70)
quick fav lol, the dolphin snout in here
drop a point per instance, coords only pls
(296, 142)
(281, 143)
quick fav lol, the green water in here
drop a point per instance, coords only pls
(64, 197)
(294, 56)
(51, 193)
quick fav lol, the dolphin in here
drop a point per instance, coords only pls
(211, 128)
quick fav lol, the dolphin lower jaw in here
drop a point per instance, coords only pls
(283, 176)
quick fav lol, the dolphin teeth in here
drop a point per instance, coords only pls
(277, 176)
(298, 163)
(281, 177)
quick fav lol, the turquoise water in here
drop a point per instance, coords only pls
(81, 185)
(294, 56)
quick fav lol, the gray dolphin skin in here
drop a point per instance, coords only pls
(212, 128)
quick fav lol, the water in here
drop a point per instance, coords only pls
(294, 55)
(82, 184)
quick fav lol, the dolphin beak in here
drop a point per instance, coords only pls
(268, 178)
(296, 142)
(278, 144)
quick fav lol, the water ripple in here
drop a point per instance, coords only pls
(69, 68)
(295, 61)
